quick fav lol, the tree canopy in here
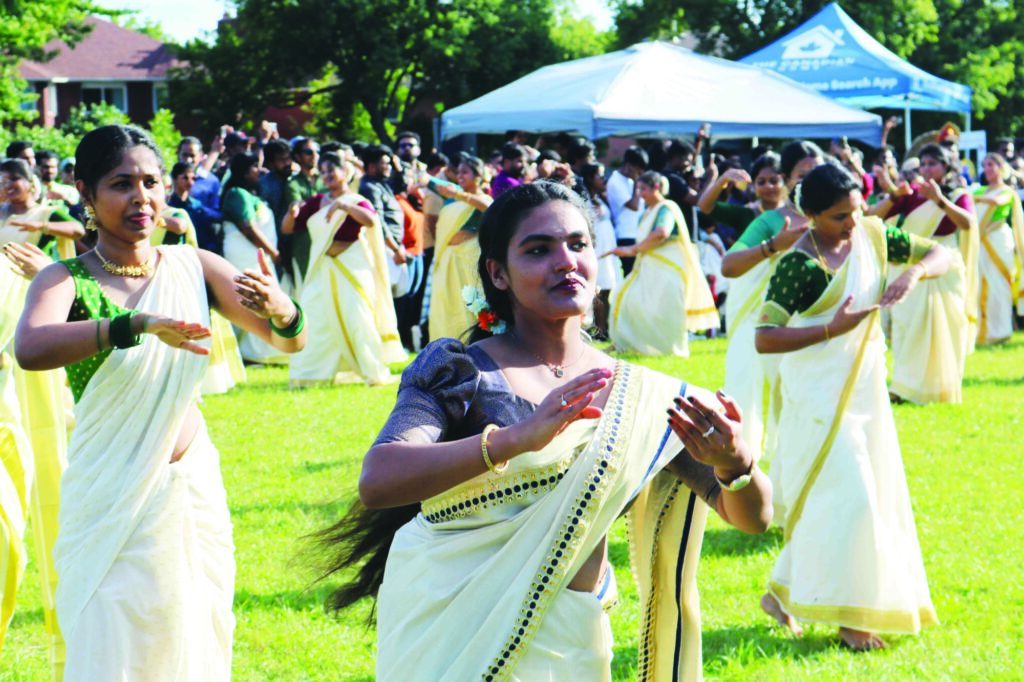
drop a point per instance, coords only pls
(26, 26)
(380, 60)
(367, 69)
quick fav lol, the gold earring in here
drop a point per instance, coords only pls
(90, 223)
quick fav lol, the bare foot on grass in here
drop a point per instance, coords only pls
(858, 640)
(771, 606)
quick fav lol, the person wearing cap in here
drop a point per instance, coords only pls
(67, 171)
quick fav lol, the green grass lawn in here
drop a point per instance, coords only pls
(291, 461)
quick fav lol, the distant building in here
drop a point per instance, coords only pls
(112, 64)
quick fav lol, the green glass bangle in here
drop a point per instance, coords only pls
(296, 326)
(121, 331)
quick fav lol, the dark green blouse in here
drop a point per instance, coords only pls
(91, 303)
(800, 279)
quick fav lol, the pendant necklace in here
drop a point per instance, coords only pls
(144, 270)
(557, 370)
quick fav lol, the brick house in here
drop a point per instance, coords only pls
(112, 64)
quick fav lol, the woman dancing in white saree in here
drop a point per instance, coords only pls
(353, 333)
(851, 556)
(144, 554)
(493, 485)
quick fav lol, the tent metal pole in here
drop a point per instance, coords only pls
(907, 138)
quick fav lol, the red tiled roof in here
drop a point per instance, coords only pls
(109, 52)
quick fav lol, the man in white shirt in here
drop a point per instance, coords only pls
(624, 201)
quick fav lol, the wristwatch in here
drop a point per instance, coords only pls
(740, 482)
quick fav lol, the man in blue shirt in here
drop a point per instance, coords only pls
(206, 189)
(183, 178)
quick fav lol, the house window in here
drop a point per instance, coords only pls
(51, 99)
(116, 95)
(31, 104)
(160, 96)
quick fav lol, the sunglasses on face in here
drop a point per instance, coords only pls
(406, 145)
(307, 152)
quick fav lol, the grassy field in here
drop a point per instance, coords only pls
(291, 461)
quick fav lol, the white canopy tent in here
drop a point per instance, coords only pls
(659, 89)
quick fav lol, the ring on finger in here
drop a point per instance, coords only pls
(707, 434)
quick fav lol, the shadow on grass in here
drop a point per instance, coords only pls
(742, 645)
(330, 511)
(312, 597)
(618, 553)
(624, 663)
(26, 617)
(994, 381)
(732, 542)
(317, 467)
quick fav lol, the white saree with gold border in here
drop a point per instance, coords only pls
(226, 368)
(350, 319)
(851, 556)
(241, 253)
(455, 266)
(33, 449)
(664, 297)
(998, 294)
(476, 585)
(932, 330)
(144, 554)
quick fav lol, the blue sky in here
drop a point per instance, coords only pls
(187, 19)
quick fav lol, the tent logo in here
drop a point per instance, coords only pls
(817, 43)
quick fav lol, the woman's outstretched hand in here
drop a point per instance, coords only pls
(901, 287)
(260, 293)
(711, 435)
(176, 333)
(846, 320)
(571, 401)
(27, 259)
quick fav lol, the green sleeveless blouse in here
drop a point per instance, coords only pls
(91, 303)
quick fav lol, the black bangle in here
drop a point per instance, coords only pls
(121, 331)
(771, 243)
(294, 327)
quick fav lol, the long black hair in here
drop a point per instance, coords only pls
(239, 167)
(362, 539)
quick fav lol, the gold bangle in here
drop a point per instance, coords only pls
(500, 468)
(924, 269)
(827, 336)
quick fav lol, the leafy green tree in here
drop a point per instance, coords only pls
(352, 61)
(26, 26)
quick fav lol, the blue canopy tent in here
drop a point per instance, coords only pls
(656, 88)
(836, 57)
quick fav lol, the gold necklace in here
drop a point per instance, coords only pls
(144, 270)
(821, 259)
(557, 370)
